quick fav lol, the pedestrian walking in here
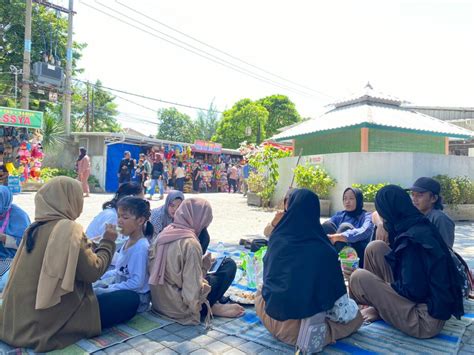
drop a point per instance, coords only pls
(83, 168)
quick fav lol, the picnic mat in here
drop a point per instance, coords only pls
(140, 324)
(377, 337)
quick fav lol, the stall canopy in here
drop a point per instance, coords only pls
(21, 118)
(201, 146)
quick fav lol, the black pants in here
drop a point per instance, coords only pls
(220, 281)
(204, 240)
(359, 247)
(117, 307)
(233, 183)
(196, 185)
(180, 184)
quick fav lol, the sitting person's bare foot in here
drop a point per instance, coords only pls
(370, 314)
(228, 310)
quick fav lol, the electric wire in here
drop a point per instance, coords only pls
(218, 60)
(147, 97)
(219, 50)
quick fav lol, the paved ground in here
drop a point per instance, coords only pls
(233, 220)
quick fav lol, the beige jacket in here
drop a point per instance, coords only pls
(185, 289)
(75, 317)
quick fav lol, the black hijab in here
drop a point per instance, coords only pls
(302, 275)
(359, 202)
(287, 197)
(83, 152)
(406, 224)
(395, 206)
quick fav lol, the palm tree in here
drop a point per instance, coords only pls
(53, 131)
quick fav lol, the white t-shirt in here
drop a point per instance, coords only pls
(131, 271)
(180, 172)
(97, 226)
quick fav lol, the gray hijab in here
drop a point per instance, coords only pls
(160, 217)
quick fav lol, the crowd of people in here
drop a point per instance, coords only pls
(153, 171)
(64, 284)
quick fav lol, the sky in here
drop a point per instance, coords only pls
(419, 51)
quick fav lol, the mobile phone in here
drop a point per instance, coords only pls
(216, 265)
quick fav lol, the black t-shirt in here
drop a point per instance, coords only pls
(126, 167)
(157, 170)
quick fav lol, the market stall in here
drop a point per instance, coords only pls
(21, 152)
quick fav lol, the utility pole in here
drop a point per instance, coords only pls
(87, 108)
(15, 71)
(25, 87)
(92, 110)
(67, 84)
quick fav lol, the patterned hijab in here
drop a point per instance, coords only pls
(160, 218)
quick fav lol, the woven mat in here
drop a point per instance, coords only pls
(140, 324)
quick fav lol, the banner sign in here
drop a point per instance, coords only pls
(315, 159)
(21, 118)
(14, 184)
(207, 147)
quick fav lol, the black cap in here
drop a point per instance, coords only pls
(425, 184)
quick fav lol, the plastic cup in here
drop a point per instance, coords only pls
(349, 264)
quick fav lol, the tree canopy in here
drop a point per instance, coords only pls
(245, 121)
(175, 126)
(206, 123)
(48, 34)
(282, 112)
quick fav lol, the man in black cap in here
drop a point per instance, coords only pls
(425, 194)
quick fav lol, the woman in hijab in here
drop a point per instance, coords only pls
(48, 302)
(162, 216)
(303, 278)
(13, 223)
(413, 284)
(180, 286)
(353, 226)
(278, 216)
(83, 167)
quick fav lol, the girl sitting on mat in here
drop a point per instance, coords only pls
(302, 281)
(180, 286)
(131, 272)
(353, 226)
(13, 223)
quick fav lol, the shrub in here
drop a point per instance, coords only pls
(457, 190)
(256, 182)
(265, 161)
(370, 190)
(49, 173)
(315, 179)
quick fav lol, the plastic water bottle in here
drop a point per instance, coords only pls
(220, 249)
(251, 277)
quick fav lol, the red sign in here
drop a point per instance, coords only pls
(207, 147)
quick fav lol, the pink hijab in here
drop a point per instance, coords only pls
(192, 216)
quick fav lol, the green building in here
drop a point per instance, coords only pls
(371, 122)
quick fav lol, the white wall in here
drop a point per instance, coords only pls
(370, 168)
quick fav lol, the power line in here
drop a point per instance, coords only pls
(219, 50)
(220, 60)
(147, 97)
(208, 56)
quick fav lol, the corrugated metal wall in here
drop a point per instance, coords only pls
(393, 141)
(347, 140)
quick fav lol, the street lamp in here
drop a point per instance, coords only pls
(15, 71)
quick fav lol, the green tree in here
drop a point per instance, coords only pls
(206, 123)
(103, 112)
(102, 108)
(175, 126)
(282, 112)
(245, 121)
(46, 25)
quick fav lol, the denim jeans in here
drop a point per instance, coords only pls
(153, 187)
